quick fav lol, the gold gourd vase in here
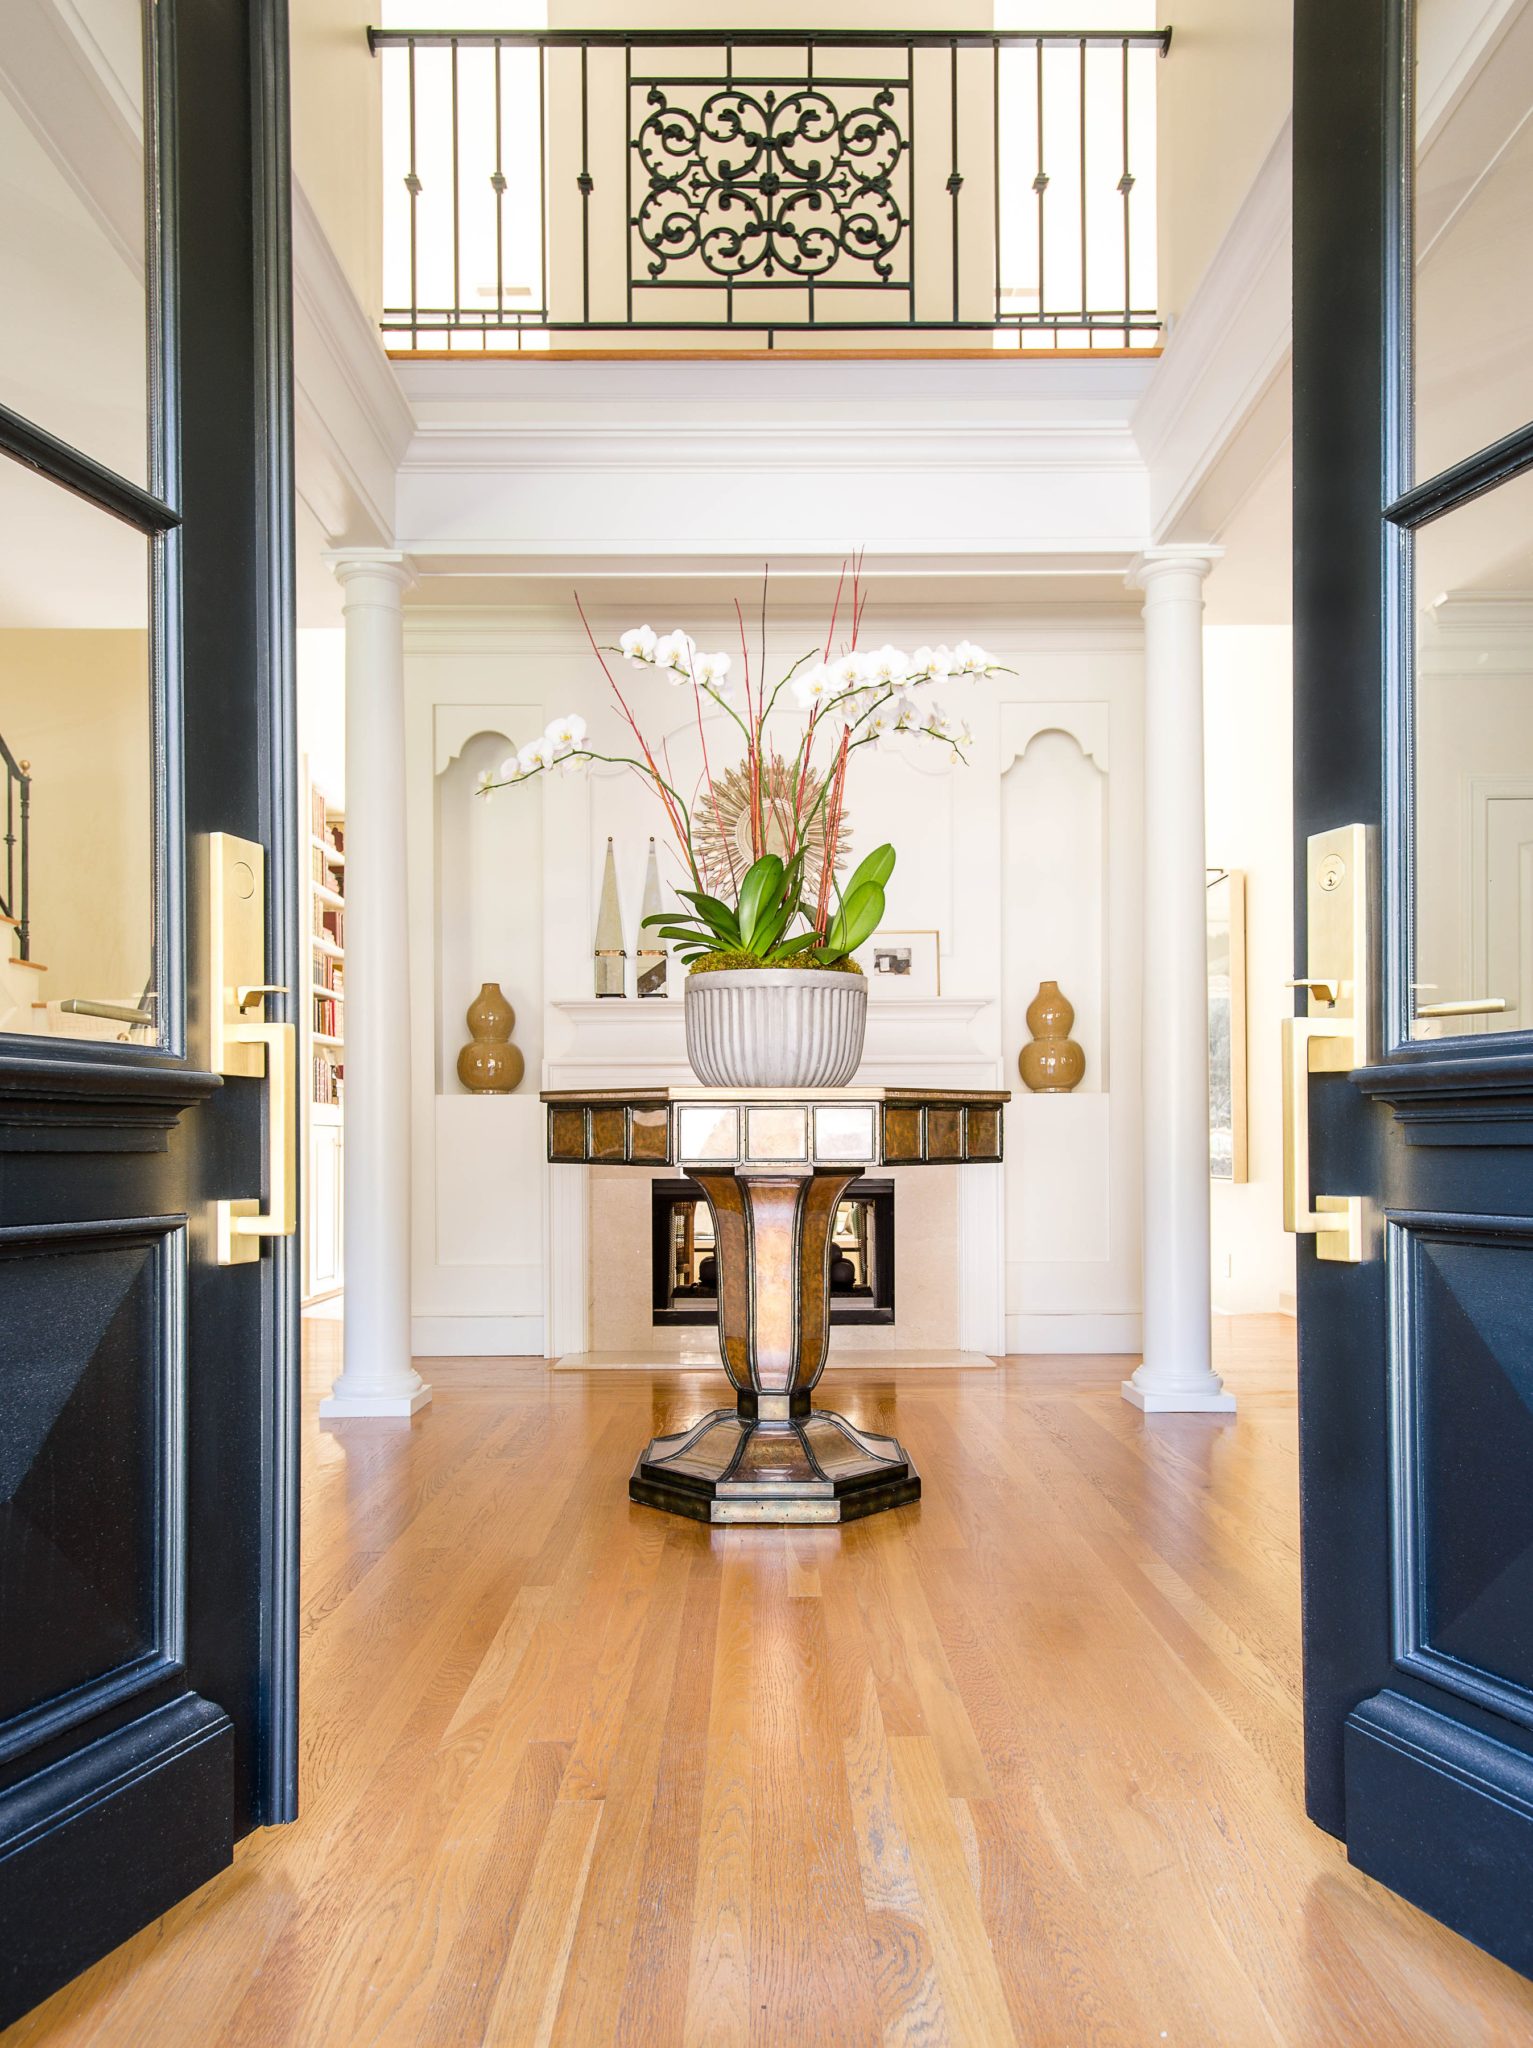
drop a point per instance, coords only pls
(489, 1064)
(1052, 1064)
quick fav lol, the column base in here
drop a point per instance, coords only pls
(811, 1468)
(339, 1407)
(1210, 1400)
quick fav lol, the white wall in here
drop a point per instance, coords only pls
(1224, 93)
(1248, 720)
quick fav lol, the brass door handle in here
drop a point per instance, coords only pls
(242, 1224)
(1325, 1045)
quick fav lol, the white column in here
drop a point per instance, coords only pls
(377, 1376)
(1177, 1373)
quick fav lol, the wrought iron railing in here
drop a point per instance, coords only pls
(768, 184)
(14, 897)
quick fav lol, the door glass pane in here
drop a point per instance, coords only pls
(73, 348)
(1473, 239)
(1474, 765)
(77, 854)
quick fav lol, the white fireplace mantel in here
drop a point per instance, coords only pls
(946, 1041)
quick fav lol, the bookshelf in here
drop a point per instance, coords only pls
(325, 1046)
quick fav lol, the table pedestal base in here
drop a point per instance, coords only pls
(816, 1467)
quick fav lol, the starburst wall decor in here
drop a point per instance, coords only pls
(723, 835)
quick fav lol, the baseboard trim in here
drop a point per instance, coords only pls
(477, 1337)
(1072, 1335)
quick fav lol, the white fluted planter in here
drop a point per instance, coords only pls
(775, 1027)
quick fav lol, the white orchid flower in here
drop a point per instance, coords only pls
(676, 652)
(969, 660)
(936, 722)
(931, 665)
(905, 713)
(509, 767)
(814, 685)
(890, 665)
(487, 781)
(639, 644)
(880, 725)
(711, 671)
(849, 672)
(566, 732)
(964, 737)
(539, 753)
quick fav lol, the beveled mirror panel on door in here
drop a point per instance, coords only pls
(1473, 242)
(1473, 750)
(73, 245)
(77, 769)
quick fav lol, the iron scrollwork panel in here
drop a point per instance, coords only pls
(787, 182)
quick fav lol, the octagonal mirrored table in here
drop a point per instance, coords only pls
(774, 1164)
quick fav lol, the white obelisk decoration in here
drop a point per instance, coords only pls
(611, 959)
(652, 955)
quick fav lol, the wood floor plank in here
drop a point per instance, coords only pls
(1020, 1763)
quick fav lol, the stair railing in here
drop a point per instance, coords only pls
(14, 897)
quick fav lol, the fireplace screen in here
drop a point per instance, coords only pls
(686, 1261)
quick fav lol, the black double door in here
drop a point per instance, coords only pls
(1412, 1065)
(147, 1336)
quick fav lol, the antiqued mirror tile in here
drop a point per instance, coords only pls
(902, 1135)
(651, 1135)
(607, 1134)
(845, 1130)
(944, 1131)
(567, 1134)
(983, 1134)
(776, 1133)
(705, 1130)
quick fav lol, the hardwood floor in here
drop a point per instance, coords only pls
(1018, 1764)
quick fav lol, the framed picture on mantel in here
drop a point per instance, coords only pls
(1227, 1024)
(902, 966)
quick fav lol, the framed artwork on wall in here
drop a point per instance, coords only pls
(1227, 1024)
(902, 966)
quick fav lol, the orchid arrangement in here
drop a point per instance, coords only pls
(763, 842)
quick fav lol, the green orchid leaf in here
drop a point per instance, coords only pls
(758, 893)
(716, 915)
(792, 949)
(856, 921)
(877, 867)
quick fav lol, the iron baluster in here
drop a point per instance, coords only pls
(1085, 294)
(954, 181)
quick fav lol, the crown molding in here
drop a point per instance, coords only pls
(735, 446)
(353, 421)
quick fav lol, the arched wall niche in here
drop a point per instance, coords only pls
(489, 891)
(1054, 837)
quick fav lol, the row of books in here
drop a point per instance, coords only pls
(329, 1079)
(329, 922)
(327, 1016)
(316, 812)
(322, 872)
(329, 974)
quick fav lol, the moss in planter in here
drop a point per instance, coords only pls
(718, 963)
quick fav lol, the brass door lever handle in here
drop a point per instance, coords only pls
(1335, 1221)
